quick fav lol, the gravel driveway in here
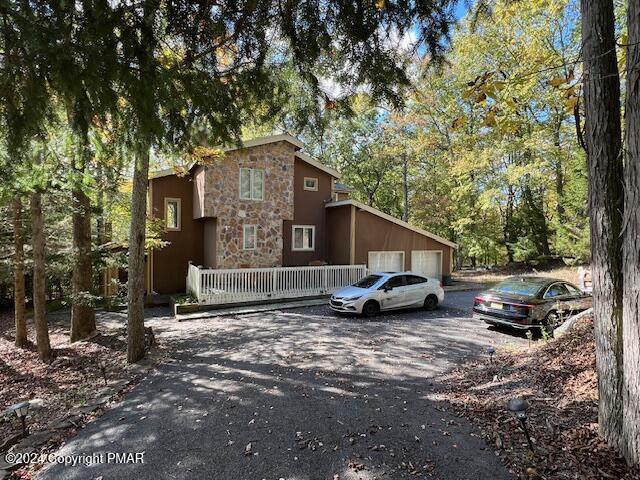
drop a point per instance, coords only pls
(298, 394)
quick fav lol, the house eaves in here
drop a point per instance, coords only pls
(255, 142)
(315, 163)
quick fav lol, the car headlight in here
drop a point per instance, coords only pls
(351, 299)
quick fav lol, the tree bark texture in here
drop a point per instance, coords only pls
(39, 278)
(83, 318)
(603, 142)
(631, 257)
(18, 275)
(136, 282)
(136, 270)
(405, 188)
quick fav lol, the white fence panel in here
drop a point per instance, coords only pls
(212, 286)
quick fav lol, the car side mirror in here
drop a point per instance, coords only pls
(387, 289)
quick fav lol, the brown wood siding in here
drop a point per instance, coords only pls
(210, 240)
(170, 263)
(339, 233)
(377, 234)
(308, 209)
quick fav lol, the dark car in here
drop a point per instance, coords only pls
(530, 302)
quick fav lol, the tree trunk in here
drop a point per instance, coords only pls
(136, 282)
(101, 234)
(135, 325)
(558, 170)
(603, 142)
(83, 318)
(39, 278)
(405, 188)
(631, 252)
(18, 275)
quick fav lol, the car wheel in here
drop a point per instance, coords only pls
(551, 322)
(431, 302)
(370, 309)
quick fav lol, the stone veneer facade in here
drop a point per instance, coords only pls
(217, 194)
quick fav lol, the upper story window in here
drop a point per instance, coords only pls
(172, 213)
(303, 237)
(311, 183)
(251, 184)
(249, 237)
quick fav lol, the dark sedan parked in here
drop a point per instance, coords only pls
(530, 302)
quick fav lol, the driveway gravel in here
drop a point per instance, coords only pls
(298, 395)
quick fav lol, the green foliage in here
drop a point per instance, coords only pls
(493, 161)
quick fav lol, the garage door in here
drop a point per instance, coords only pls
(427, 262)
(386, 261)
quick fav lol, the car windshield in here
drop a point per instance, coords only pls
(368, 281)
(517, 286)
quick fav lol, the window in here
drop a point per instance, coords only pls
(251, 184)
(303, 237)
(172, 214)
(556, 290)
(573, 290)
(368, 281)
(311, 184)
(415, 279)
(249, 237)
(394, 282)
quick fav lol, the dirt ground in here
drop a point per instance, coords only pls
(560, 382)
(495, 275)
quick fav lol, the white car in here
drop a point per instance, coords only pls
(388, 291)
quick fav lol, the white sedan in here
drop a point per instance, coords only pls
(388, 291)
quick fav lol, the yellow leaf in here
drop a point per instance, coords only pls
(570, 103)
(459, 122)
(556, 81)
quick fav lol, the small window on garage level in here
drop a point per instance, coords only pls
(303, 237)
(172, 213)
(311, 183)
(249, 237)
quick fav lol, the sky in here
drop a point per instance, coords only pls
(461, 9)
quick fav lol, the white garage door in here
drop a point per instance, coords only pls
(386, 261)
(427, 262)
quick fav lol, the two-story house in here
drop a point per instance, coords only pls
(268, 204)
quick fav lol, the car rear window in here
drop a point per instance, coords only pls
(528, 288)
(414, 280)
(368, 281)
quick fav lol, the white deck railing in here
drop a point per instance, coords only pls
(213, 286)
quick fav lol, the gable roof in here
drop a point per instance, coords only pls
(256, 142)
(315, 163)
(395, 220)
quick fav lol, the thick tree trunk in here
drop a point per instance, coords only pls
(83, 318)
(631, 309)
(136, 282)
(135, 325)
(18, 275)
(405, 188)
(603, 142)
(39, 278)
